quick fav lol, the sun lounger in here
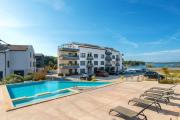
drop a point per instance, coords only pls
(165, 98)
(146, 102)
(156, 91)
(161, 88)
(129, 113)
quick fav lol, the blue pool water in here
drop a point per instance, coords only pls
(30, 92)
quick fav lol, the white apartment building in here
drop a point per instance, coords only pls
(78, 58)
(16, 59)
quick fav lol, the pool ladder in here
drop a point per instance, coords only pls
(75, 85)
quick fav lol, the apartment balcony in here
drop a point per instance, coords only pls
(108, 52)
(69, 66)
(69, 49)
(89, 65)
(69, 57)
(108, 64)
(108, 58)
(117, 64)
(117, 58)
(90, 58)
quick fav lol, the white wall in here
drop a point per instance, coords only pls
(2, 62)
(93, 51)
(18, 60)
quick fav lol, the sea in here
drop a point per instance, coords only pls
(157, 65)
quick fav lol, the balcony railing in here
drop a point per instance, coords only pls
(69, 66)
(117, 64)
(108, 58)
(90, 58)
(69, 57)
(89, 65)
(117, 58)
(108, 52)
(69, 49)
(108, 64)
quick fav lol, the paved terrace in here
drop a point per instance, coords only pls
(94, 105)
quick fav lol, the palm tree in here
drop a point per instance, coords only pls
(166, 71)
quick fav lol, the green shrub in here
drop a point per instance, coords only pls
(13, 78)
(28, 77)
(39, 76)
(60, 74)
(93, 78)
(169, 81)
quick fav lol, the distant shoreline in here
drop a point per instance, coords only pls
(170, 68)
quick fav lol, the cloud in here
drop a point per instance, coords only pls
(157, 56)
(121, 39)
(170, 52)
(174, 37)
(58, 5)
(124, 40)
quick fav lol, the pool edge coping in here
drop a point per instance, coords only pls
(7, 100)
(10, 106)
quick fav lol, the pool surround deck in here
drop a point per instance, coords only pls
(95, 104)
(9, 102)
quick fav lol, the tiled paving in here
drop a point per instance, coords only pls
(94, 105)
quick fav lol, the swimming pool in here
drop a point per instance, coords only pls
(29, 93)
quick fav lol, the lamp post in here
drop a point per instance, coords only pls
(4, 49)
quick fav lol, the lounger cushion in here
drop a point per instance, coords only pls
(125, 111)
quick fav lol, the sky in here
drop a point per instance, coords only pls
(147, 30)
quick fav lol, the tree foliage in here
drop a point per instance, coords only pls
(149, 66)
(133, 63)
(50, 62)
(166, 71)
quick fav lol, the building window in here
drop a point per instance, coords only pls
(8, 64)
(102, 62)
(1, 75)
(82, 71)
(95, 69)
(101, 68)
(95, 62)
(102, 56)
(34, 64)
(113, 56)
(83, 55)
(30, 55)
(30, 64)
(95, 55)
(82, 63)
(89, 54)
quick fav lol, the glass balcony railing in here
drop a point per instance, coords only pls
(70, 57)
(90, 58)
(69, 66)
(108, 58)
(117, 58)
(89, 65)
(108, 52)
(117, 64)
(69, 49)
(108, 64)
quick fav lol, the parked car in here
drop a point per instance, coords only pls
(130, 72)
(86, 76)
(102, 73)
(115, 72)
(153, 75)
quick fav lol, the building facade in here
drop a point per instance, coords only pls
(17, 59)
(77, 58)
(39, 62)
